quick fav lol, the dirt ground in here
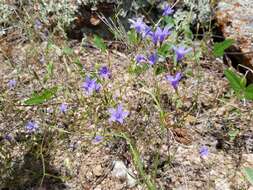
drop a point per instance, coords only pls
(206, 115)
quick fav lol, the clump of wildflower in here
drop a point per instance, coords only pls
(153, 58)
(203, 151)
(12, 83)
(90, 85)
(63, 108)
(174, 80)
(167, 10)
(104, 72)
(181, 52)
(140, 59)
(97, 139)
(118, 114)
(31, 126)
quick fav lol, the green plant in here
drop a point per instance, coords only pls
(220, 47)
(248, 172)
(39, 98)
(99, 43)
(238, 84)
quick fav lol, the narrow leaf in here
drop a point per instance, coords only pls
(50, 68)
(132, 37)
(39, 98)
(249, 92)
(234, 80)
(99, 43)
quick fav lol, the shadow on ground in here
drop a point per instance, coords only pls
(29, 174)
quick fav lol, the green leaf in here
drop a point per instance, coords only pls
(138, 69)
(160, 69)
(248, 172)
(236, 82)
(220, 47)
(132, 37)
(78, 63)
(169, 20)
(68, 51)
(187, 31)
(50, 68)
(49, 74)
(249, 92)
(164, 49)
(99, 43)
(39, 98)
(232, 134)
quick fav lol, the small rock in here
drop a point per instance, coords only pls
(221, 184)
(98, 170)
(120, 171)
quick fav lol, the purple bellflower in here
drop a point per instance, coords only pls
(165, 33)
(141, 27)
(174, 80)
(63, 108)
(8, 137)
(160, 35)
(138, 25)
(167, 10)
(37, 24)
(156, 35)
(203, 151)
(31, 126)
(104, 72)
(117, 114)
(12, 83)
(153, 58)
(90, 85)
(181, 52)
(42, 59)
(140, 59)
(146, 32)
(97, 139)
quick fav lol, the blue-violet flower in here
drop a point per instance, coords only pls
(104, 72)
(31, 126)
(63, 108)
(118, 114)
(160, 35)
(90, 85)
(203, 151)
(167, 10)
(97, 139)
(174, 80)
(138, 25)
(153, 58)
(140, 59)
(12, 83)
(181, 52)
